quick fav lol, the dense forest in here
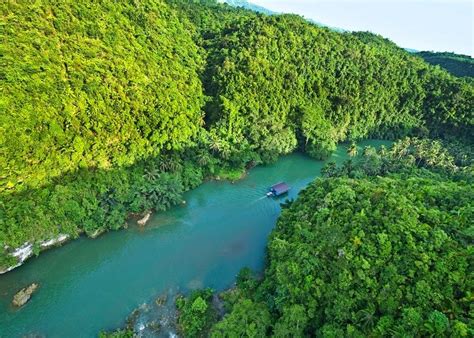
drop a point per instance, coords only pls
(114, 108)
(456, 64)
(381, 246)
(111, 109)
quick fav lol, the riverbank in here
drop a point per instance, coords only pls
(173, 315)
(12, 258)
(27, 250)
(222, 228)
(15, 257)
(361, 201)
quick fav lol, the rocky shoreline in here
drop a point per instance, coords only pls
(27, 250)
(159, 318)
(22, 253)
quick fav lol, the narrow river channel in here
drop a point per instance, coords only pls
(89, 285)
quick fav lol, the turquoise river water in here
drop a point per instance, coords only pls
(90, 285)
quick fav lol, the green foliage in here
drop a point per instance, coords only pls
(196, 313)
(230, 174)
(369, 251)
(382, 245)
(445, 157)
(292, 323)
(93, 201)
(456, 64)
(114, 108)
(277, 82)
(246, 281)
(93, 86)
(7, 261)
(247, 319)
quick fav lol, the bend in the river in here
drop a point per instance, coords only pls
(89, 285)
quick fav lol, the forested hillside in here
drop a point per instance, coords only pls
(94, 85)
(112, 108)
(382, 246)
(456, 64)
(278, 82)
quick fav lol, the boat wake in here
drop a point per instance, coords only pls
(261, 198)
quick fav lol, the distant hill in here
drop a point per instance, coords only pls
(248, 5)
(411, 50)
(456, 64)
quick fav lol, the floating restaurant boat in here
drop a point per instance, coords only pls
(278, 189)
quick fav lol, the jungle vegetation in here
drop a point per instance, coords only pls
(381, 246)
(456, 64)
(114, 108)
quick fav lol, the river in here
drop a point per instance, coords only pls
(93, 284)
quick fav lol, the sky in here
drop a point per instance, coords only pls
(438, 25)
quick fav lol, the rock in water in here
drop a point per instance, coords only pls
(24, 295)
(145, 219)
(160, 301)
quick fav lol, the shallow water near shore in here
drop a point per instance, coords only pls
(90, 285)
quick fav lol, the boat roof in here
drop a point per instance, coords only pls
(282, 186)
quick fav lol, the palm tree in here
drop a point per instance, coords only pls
(329, 169)
(169, 164)
(216, 145)
(367, 317)
(151, 174)
(203, 158)
(401, 148)
(352, 150)
(369, 151)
